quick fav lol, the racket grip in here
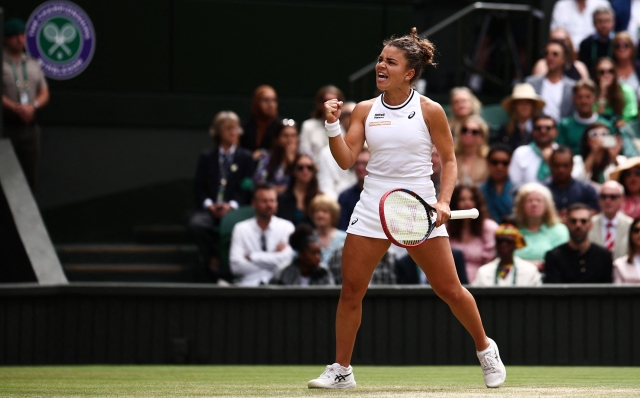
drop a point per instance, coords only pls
(458, 214)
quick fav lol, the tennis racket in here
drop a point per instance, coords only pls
(407, 220)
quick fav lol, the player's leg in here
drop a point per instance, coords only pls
(360, 256)
(435, 258)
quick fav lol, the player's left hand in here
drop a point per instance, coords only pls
(443, 213)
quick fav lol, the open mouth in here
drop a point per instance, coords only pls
(382, 77)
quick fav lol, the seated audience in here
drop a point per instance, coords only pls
(325, 213)
(522, 106)
(474, 237)
(576, 16)
(599, 44)
(615, 101)
(565, 189)
(303, 187)
(611, 226)
(222, 184)
(259, 128)
(305, 270)
(409, 273)
(574, 68)
(530, 162)
(626, 269)
(600, 154)
(384, 274)
(274, 166)
(313, 136)
(331, 177)
(259, 245)
(498, 191)
(538, 222)
(628, 174)
(627, 66)
(554, 87)
(349, 197)
(471, 150)
(571, 128)
(578, 260)
(507, 269)
(463, 104)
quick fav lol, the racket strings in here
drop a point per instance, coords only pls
(407, 219)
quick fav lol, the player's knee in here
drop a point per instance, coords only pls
(351, 293)
(451, 294)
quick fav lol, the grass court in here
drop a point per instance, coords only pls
(290, 381)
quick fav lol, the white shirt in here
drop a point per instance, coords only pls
(261, 265)
(551, 93)
(524, 272)
(614, 227)
(579, 24)
(524, 166)
(634, 21)
(313, 137)
(332, 180)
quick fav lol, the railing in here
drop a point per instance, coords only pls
(467, 62)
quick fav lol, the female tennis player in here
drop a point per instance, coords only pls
(401, 128)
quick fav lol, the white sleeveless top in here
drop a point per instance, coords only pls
(398, 139)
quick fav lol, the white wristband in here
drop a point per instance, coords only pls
(333, 129)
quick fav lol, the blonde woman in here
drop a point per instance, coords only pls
(324, 211)
(463, 104)
(538, 222)
(471, 150)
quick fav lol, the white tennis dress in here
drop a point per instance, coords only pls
(400, 147)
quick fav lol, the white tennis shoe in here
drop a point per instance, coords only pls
(334, 376)
(494, 371)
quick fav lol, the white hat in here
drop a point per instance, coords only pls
(523, 91)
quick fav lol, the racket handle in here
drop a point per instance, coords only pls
(458, 214)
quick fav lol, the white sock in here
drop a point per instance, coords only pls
(485, 351)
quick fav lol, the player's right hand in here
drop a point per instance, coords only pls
(332, 110)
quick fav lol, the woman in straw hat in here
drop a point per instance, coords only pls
(522, 106)
(628, 174)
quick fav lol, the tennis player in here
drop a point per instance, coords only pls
(401, 128)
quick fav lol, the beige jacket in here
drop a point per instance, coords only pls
(621, 243)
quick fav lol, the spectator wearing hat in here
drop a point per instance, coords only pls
(628, 174)
(223, 183)
(611, 226)
(522, 106)
(572, 128)
(507, 269)
(24, 93)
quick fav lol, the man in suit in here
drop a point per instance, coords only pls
(555, 88)
(223, 183)
(611, 227)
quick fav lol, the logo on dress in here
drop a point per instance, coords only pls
(412, 114)
(378, 116)
(60, 36)
(354, 221)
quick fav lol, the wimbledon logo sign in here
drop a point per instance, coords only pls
(61, 37)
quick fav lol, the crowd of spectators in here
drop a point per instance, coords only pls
(557, 187)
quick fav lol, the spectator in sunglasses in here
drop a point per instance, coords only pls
(303, 187)
(611, 227)
(555, 89)
(471, 149)
(579, 260)
(627, 66)
(599, 44)
(615, 101)
(498, 191)
(522, 106)
(530, 162)
(574, 69)
(600, 154)
(274, 166)
(628, 174)
(463, 104)
(626, 269)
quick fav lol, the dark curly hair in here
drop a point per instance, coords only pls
(455, 228)
(418, 52)
(302, 237)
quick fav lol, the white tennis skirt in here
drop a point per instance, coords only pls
(365, 219)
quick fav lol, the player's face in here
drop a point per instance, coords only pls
(391, 69)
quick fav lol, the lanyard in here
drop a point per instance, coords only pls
(513, 271)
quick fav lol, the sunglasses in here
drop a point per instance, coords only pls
(301, 167)
(598, 133)
(494, 162)
(578, 220)
(604, 196)
(553, 53)
(288, 122)
(543, 128)
(466, 130)
(635, 230)
(634, 172)
(619, 46)
(603, 72)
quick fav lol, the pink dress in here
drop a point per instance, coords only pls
(479, 250)
(631, 206)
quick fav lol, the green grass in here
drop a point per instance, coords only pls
(290, 381)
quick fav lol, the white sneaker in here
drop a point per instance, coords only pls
(494, 371)
(334, 376)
